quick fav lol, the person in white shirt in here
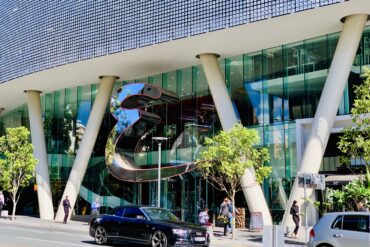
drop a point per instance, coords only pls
(95, 208)
(203, 217)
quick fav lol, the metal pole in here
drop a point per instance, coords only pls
(159, 175)
(305, 207)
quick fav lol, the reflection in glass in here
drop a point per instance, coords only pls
(128, 106)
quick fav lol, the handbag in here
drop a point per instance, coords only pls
(223, 219)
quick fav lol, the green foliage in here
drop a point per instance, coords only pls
(321, 206)
(17, 163)
(227, 156)
(339, 199)
(355, 141)
(349, 198)
(351, 195)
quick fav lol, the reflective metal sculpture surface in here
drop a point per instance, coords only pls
(128, 106)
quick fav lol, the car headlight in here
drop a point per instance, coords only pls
(180, 232)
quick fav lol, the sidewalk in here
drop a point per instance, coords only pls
(244, 237)
(37, 222)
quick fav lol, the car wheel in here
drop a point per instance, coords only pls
(325, 245)
(101, 236)
(159, 239)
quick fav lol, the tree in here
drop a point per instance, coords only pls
(350, 197)
(227, 156)
(355, 141)
(17, 164)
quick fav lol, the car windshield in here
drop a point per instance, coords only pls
(160, 214)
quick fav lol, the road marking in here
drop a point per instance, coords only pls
(54, 242)
(17, 229)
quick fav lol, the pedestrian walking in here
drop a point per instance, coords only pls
(226, 211)
(67, 206)
(294, 211)
(2, 202)
(95, 208)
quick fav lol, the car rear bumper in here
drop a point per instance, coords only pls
(312, 243)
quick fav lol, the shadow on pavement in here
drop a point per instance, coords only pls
(112, 244)
(287, 241)
(255, 239)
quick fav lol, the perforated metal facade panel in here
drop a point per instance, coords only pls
(38, 35)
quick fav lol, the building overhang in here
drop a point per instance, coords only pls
(176, 54)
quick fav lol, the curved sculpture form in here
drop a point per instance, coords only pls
(128, 106)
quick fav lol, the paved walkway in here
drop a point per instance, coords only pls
(244, 238)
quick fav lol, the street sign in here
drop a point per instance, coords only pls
(311, 180)
(256, 222)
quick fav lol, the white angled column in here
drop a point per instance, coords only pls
(39, 149)
(216, 83)
(87, 144)
(251, 189)
(328, 106)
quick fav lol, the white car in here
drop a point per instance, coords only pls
(341, 229)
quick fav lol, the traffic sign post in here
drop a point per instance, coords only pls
(312, 181)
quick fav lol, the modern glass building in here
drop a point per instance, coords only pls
(275, 61)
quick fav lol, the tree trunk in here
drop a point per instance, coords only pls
(233, 218)
(14, 207)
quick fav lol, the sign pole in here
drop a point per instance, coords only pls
(159, 140)
(159, 175)
(305, 206)
(311, 181)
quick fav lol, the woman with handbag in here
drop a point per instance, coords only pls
(226, 211)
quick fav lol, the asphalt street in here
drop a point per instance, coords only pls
(32, 232)
(25, 236)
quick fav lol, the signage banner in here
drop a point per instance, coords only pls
(256, 223)
(312, 180)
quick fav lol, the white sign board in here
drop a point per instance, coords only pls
(312, 180)
(256, 223)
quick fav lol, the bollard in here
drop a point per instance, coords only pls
(273, 236)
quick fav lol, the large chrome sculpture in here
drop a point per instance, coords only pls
(128, 106)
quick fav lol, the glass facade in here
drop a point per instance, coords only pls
(269, 89)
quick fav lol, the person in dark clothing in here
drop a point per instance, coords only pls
(67, 206)
(294, 211)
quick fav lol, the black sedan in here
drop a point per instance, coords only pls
(150, 226)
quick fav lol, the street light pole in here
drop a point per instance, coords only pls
(159, 140)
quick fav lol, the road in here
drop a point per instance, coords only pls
(25, 236)
(28, 235)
